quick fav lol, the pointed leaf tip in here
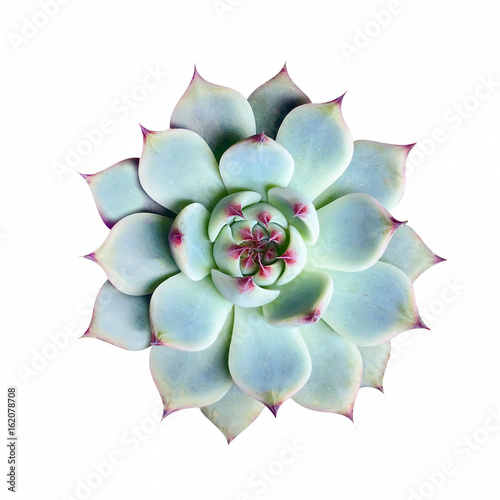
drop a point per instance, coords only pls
(438, 259)
(167, 412)
(409, 147)
(145, 132)
(91, 256)
(195, 73)
(349, 414)
(86, 177)
(260, 137)
(86, 334)
(274, 408)
(338, 100)
(397, 223)
(419, 323)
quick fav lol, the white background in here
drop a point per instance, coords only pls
(81, 401)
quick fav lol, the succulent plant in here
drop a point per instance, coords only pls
(251, 249)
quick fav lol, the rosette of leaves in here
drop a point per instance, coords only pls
(252, 250)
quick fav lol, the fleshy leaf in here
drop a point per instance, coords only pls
(189, 243)
(233, 413)
(257, 163)
(178, 168)
(408, 252)
(186, 314)
(298, 210)
(192, 379)
(220, 115)
(372, 306)
(377, 169)
(227, 253)
(336, 373)
(120, 319)
(302, 301)
(117, 192)
(320, 143)
(273, 100)
(375, 359)
(242, 291)
(135, 255)
(295, 257)
(355, 231)
(228, 208)
(270, 364)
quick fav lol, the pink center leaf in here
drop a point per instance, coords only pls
(233, 210)
(290, 257)
(300, 210)
(245, 284)
(264, 217)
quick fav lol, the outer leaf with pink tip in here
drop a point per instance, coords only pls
(257, 163)
(273, 100)
(372, 306)
(270, 364)
(233, 413)
(121, 319)
(376, 169)
(189, 243)
(355, 231)
(117, 192)
(375, 359)
(228, 209)
(320, 143)
(409, 253)
(336, 373)
(178, 168)
(192, 379)
(298, 210)
(302, 301)
(220, 115)
(242, 291)
(135, 255)
(186, 314)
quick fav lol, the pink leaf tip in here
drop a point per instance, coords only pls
(274, 408)
(419, 323)
(145, 132)
(91, 256)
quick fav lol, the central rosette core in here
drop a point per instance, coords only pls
(258, 246)
(253, 246)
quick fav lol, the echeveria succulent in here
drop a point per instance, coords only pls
(251, 249)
